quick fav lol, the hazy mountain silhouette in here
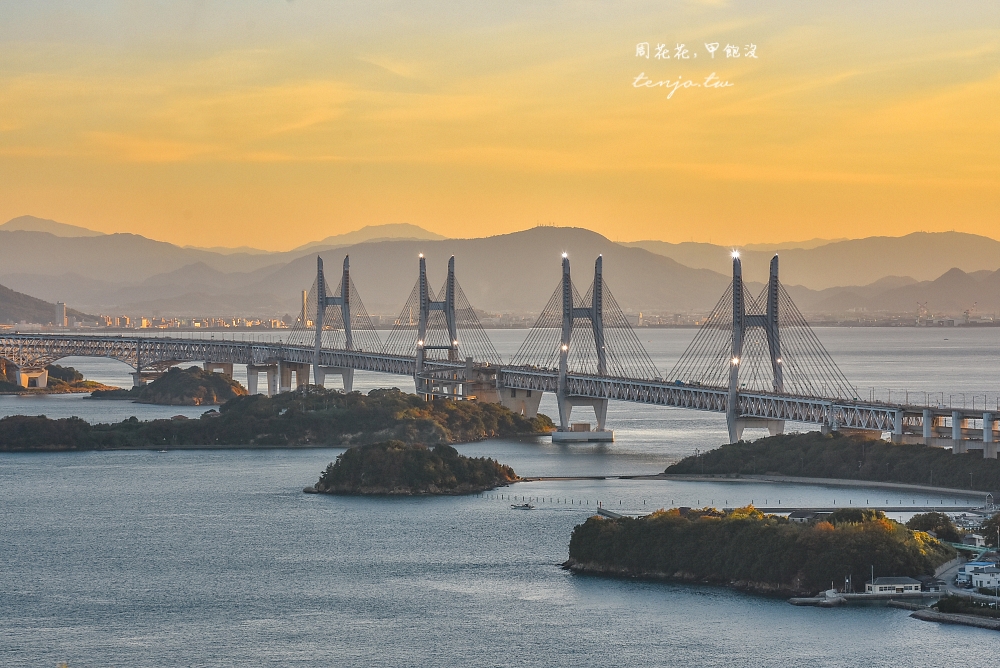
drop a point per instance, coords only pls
(921, 255)
(127, 273)
(33, 224)
(387, 232)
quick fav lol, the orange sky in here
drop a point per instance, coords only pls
(271, 124)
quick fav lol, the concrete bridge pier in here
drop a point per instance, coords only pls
(225, 368)
(958, 446)
(989, 442)
(286, 369)
(523, 402)
(27, 377)
(566, 405)
(774, 427)
(346, 373)
(253, 371)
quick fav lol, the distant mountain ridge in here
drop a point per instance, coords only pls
(513, 273)
(923, 256)
(33, 224)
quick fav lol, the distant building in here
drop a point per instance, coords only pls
(973, 539)
(988, 577)
(892, 586)
(60, 319)
(930, 583)
(968, 569)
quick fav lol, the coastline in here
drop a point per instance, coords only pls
(825, 482)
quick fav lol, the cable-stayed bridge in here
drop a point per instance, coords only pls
(755, 359)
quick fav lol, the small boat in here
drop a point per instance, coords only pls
(161, 450)
(522, 506)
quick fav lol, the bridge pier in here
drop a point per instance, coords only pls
(226, 368)
(346, 373)
(989, 443)
(286, 369)
(271, 387)
(774, 427)
(958, 446)
(27, 377)
(523, 402)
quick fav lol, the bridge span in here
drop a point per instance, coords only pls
(755, 360)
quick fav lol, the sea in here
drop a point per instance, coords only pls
(217, 558)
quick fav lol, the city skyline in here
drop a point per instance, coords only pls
(275, 124)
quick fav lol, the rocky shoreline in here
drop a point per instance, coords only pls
(768, 589)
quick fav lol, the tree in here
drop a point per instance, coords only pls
(989, 530)
(939, 523)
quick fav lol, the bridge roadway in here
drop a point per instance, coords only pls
(157, 352)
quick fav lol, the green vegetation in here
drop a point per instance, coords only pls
(815, 455)
(938, 523)
(398, 468)
(181, 387)
(316, 417)
(752, 551)
(964, 606)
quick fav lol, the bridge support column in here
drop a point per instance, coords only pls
(271, 386)
(346, 373)
(958, 446)
(286, 369)
(523, 402)
(32, 377)
(989, 443)
(927, 422)
(774, 427)
(226, 368)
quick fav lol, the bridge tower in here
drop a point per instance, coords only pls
(428, 304)
(594, 313)
(743, 321)
(323, 302)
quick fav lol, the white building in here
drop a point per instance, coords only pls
(892, 586)
(967, 570)
(988, 577)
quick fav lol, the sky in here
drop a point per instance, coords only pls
(271, 123)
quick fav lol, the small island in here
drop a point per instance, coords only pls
(748, 550)
(835, 455)
(180, 387)
(397, 468)
(313, 417)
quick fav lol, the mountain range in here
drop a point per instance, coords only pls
(515, 273)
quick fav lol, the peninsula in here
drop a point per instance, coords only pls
(815, 455)
(398, 468)
(748, 550)
(61, 380)
(317, 417)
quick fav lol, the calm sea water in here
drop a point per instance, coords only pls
(216, 558)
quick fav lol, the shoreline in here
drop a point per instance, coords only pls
(823, 482)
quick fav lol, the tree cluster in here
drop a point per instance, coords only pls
(816, 455)
(395, 467)
(316, 417)
(764, 551)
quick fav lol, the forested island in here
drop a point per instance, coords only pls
(316, 417)
(815, 455)
(180, 387)
(748, 550)
(399, 468)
